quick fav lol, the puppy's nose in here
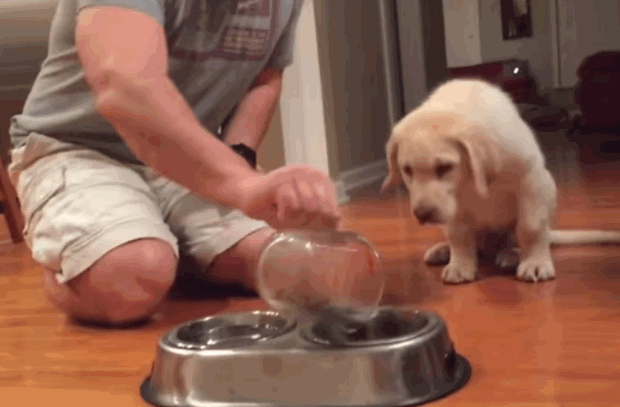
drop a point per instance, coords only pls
(425, 214)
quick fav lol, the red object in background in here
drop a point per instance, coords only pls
(598, 91)
(511, 75)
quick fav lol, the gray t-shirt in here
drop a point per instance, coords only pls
(216, 50)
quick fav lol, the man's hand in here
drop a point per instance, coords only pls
(293, 197)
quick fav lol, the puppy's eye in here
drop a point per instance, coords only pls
(408, 170)
(443, 169)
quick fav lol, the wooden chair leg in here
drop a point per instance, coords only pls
(12, 210)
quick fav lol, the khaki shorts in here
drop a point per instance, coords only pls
(79, 204)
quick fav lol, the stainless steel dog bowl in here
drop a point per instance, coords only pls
(402, 357)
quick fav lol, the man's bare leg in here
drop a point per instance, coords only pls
(238, 264)
(127, 285)
(131, 282)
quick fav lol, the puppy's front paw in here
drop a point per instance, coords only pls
(438, 255)
(536, 269)
(458, 273)
(507, 258)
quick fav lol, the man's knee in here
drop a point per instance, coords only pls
(127, 284)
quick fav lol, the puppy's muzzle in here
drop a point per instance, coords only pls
(426, 214)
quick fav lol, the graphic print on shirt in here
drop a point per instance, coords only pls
(211, 31)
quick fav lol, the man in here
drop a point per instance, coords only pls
(117, 161)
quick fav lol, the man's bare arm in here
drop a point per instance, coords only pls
(255, 112)
(124, 56)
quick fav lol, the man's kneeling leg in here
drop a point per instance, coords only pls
(126, 285)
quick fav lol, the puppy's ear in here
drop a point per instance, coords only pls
(393, 178)
(478, 160)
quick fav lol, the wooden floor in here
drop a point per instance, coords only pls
(549, 344)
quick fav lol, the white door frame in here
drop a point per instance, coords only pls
(302, 102)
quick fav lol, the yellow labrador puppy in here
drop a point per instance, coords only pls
(474, 166)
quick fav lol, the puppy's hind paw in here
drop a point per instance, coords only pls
(457, 274)
(536, 270)
(438, 255)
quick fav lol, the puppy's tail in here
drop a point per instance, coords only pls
(584, 237)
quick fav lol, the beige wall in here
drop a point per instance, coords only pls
(25, 22)
(24, 28)
(462, 26)
(474, 36)
(537, 49)
(270, 155)
(586, 27)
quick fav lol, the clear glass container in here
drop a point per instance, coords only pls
(307, 272)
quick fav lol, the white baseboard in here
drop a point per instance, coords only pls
(359, 177)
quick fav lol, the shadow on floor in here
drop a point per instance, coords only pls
(192, 284)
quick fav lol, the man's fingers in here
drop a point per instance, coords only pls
(307, 195)
(318, 192)
(334, 204)
(324, 199)
(327, 199)
(286, 199)
(304, 197)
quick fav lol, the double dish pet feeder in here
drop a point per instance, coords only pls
(324, 342)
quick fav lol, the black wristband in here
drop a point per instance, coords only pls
(245, 152)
